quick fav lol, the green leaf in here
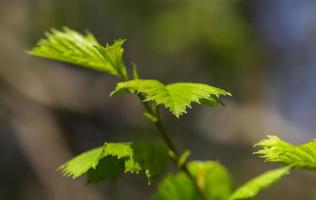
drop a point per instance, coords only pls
(176, 97)
(177, 187)
(211, 176)
(82, 163)
(115, 159)
(135, 71)
(90, 160)
(107, 168)
(183, 158)
(70, 46)
(254, 186)
(273, 149)
(152, 156)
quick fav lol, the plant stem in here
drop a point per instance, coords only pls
(184, 166)
(165, 137)
(170, 144)
(164, 134)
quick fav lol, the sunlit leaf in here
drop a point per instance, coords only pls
(273, 149)
(210, 176)
(70, 46)
(152, 156)
(255, 185)
(90, 160)
(176, 97)
(114, 159)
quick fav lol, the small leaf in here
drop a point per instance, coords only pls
(176, 97)
(135, 71)
(273, 149)
(115, 159)
(152, 156)
(254, 186)
(183, 158)
(107, 168)
(90, 160)
(72, 47)
(150, 116)
(211, 176)
(82, 163)
(177, 187)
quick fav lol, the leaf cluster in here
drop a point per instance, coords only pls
(273, 149)
(196, 180)
(84, 50)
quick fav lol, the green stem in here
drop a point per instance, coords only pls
(170, 144)
(164, 134)
(184, 166)
(165, 137)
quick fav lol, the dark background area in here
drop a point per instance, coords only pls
(262, 51)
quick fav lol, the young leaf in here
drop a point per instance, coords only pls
(254, 186)
(108, 168)
(183, 158)
(177, 97)
(114, 159)
(152, 156)
(70, 46)
(135, 71)
(177, 187)
(90, 160)
(211, 177)
(273, 149)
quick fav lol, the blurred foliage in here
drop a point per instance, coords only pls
(216, 26)
(273, 149)
(251, 188)
(211, 177)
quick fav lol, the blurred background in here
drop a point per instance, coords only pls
(262, 51)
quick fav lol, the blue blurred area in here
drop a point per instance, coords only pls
(288, 30)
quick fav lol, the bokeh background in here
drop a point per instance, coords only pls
(262, 51)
